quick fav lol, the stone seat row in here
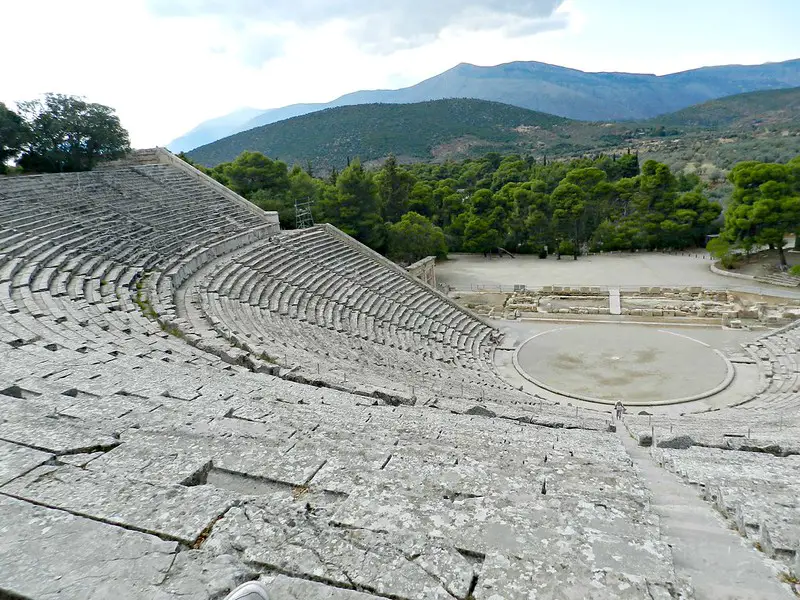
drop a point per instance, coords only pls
(779, 372)
(729, 428)
(757, 491)
(397, 362)
(311, 482)
(296, 288)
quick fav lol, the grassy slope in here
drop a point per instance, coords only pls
(750, 111)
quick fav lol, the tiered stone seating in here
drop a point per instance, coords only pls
(135, 463)
(352, 321)
(744, 458)
(158, 480)
(759, 492)
(776, 355)
(73, 248)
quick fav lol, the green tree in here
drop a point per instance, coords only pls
(569, 205)
(394, 184)
(479, 235)
(765, 205)
(252, 172)
(354, 207)
(69, 134)
(415, 237)
(13, 132)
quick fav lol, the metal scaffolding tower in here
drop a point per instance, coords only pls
(303, 217)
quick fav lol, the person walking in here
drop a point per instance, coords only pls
(619, 410)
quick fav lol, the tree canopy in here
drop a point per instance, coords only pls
(13, 133)
(765, 206)
(61, 133)
(519, 203)
(415, 237)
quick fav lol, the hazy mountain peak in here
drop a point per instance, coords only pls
(543, 87)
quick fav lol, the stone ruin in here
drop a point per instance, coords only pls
(721, 306)
(193, 398)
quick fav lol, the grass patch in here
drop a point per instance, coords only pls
(787, 577)
(172, 330)
(143, 302)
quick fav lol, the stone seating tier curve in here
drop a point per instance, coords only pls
(189, 404)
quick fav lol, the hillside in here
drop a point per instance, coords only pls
(708, 137)
(747, 112)
(418, 131)
(551, 89)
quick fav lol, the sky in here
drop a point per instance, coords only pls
(167, 65)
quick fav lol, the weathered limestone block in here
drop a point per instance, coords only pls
(513, 578)
(289, 588)
(16, 460)
(52, 554)
(176, 512)
(289, 538)
(59, 436)
(675, 441)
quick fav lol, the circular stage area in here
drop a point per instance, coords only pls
(634, 364)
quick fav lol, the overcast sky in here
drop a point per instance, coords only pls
(167, 65)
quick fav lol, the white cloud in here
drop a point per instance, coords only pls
(377, 26)
(167, 65)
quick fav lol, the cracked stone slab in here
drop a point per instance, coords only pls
(509, 577)
(56, 435)
(174, 457)
(109, 409)
(177, 512)
(79, 460)
(524, 526)
(199, 575)
(52, 555)
(286, 537)
(155, 457)
(16, 460)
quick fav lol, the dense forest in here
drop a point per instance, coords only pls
(479, 205)
(516, 202)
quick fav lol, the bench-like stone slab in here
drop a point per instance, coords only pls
(290, 588)
(173, 511)
(53, 555)
(282, 535)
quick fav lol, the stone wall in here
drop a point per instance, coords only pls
(719, 306)
(424, 270)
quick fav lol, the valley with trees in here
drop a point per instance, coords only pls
(480, 205)
(486, 195)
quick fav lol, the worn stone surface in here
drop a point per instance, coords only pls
(51, 554)
(17, 460)
(289, 588)
(284, 535)
(178, 512)
(511, 578)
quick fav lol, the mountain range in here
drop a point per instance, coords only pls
(541, 87)
(758, 125)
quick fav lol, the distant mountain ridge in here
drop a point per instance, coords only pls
(571, 93)
(437, 130)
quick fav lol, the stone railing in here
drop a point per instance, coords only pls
(424, 270)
